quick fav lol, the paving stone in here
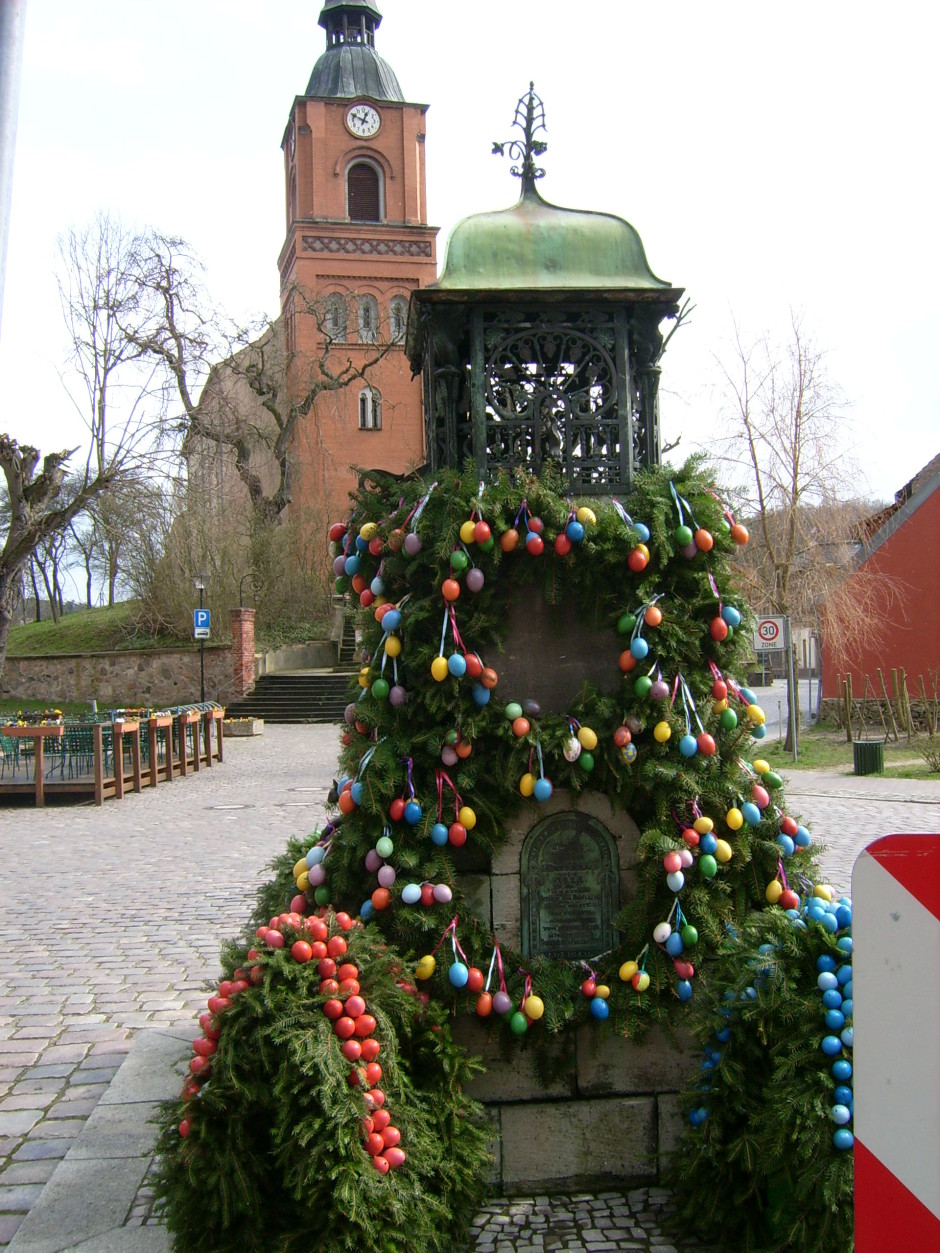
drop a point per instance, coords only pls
(28, 1172)
(18, 1198)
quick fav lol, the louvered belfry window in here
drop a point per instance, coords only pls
(362, 192)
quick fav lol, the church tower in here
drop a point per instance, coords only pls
(357, 245)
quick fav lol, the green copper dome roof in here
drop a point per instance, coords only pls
(540, 246)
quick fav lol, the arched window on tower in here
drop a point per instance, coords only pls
(368, 320)
(370, 410)
(397, 319)
(364, 192)
(335, 319)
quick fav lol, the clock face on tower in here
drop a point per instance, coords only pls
(363, 120)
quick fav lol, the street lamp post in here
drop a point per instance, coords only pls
(199, 583)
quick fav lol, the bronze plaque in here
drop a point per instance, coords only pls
(570, 888)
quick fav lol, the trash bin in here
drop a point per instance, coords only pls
(869, 756)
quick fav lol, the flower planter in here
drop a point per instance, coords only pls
(234, 728)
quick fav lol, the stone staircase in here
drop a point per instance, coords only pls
(296, 696)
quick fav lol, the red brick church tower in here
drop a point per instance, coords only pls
(357, 245)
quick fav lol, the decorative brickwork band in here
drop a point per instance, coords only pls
(367, 247)
(243, 651)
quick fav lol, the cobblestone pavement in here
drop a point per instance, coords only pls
(112, 917)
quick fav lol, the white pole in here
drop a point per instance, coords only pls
(793, 693)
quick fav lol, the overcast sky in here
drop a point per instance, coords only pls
(772, 156)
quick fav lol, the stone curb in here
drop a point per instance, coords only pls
(86, 1202)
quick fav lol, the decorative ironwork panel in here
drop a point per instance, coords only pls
(366, 247)
(552, 394)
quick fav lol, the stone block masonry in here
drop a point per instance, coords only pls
(146, 677)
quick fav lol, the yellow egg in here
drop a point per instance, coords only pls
(641, 548)
(723, 851)
(379, 600)
(534, 1007)
(720, 706)
(586, 516)
(602, 990)
(466, 816)
(823, 891)
(466, 531)
(588, 738)
(364, 680)
(760, 766)
(393, 646)
(773, 891)
(303, 881)
(527, 784)
(368, 530)
(425, 967)
(662, 732)
(300, 867)
(439, 669)
(703, 825)
(756, 714)
(734, 818)
(628, 970)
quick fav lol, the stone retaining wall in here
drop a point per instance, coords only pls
(158, 677)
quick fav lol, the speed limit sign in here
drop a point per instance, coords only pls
(770, 634)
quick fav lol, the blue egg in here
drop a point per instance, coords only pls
(802, 837)
(847, 1006)
(708, 843)
(749, 994)
(767, 948)
(835, 1019)
(847, 1036)
(708, 1063)
(481, 694)
(575, 531)
(794, 914)
(844, 974)
(825, 961)
(843, 1138)
(844, 944)
(357, 791)
(786, 845)
(826, 980)
(831, 1045)
(362, 544)
(688, 746)
(674, 945)
(542, 791)
(842, 1069)
(457, 665)
(314, 856)
(840, 1115)
(724, 1035)
(748, 695)
(410, 894)
(843, 1095)
(751, 813)
(377, 586)
(643, 531)
(599, 1008)
(799, 924)
(367, 910)
(847, 989)
(392, 620)
(684, 990)
(758, 732)
(832, 998)
(815, 913)
(830, 923)
(458, 974)
(439, 834)
(639, 648)
(412, 813)
(731, 615)
(844, 914)
(352, 564)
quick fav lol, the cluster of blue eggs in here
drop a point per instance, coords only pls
(835, 983)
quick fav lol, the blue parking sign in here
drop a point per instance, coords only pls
(200, 624)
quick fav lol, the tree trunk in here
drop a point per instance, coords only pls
(7, 608)
(36, 598)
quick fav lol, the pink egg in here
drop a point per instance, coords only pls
(373, 861)
(672, 862)
(474, 580)
(442, 893)
(412, 544)
(685, 858)
(386, 876)
(449, 755)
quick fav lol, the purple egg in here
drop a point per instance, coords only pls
(474, 580)
(689, 551)
(659, 690)
(349, 713)
(412, 544)
(316, 875)
(339, 564)
(386, 876)
(373, 861)
(448, 756)
(397, 696)
(501, 1003)
(442, 893)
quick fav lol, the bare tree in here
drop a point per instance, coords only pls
(788, 455)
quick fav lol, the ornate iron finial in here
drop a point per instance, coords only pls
(530, 118)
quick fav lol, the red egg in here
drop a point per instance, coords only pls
(481, 532)
(562, 545)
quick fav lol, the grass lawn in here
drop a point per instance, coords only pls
(823, 748)
(85, 631)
